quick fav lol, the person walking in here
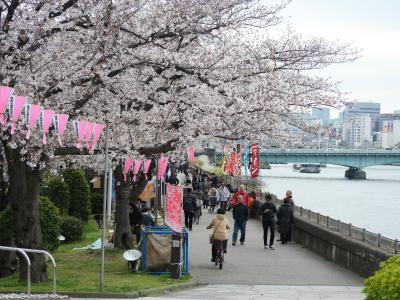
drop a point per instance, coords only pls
(285, 220)
(223, 196)
(212, 198)
(220, 236)
(289, 196)
(268, 212)
(240, 216)
(241, 192)
(189, 207)
(173, 179)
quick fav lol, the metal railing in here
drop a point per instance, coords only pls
(391, 245)
(23, 251)
(328, 151)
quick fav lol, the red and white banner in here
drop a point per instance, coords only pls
(255, 161)
(173, 208)
(190, 153)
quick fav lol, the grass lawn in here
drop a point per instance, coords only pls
(79, 271)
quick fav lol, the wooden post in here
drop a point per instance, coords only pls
(175, 264)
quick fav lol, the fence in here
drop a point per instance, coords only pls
(352, 231)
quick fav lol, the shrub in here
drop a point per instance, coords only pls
(57, 190)
(385, 283)
(79, 192)
(71, 228)
(49, 223)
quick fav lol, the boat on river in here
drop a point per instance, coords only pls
(307, 168)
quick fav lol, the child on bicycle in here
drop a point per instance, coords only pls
(220, 234)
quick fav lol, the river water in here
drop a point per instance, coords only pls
(373, 204)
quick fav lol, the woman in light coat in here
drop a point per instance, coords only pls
(220, 235)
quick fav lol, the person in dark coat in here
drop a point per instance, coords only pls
(268, 212)
(135, 220)
(147, 218)
(285, 220)
(189, 207)
(173, 179)
(240, 215)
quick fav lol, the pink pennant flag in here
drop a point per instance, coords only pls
(136, 168)
(128, 165)
(146, 167)
(5, 96)
(89, 133)
(62, 120)
(47, 119)
(19, 102)
(81, 132)
(34, 112)
(98, 128)
(162, 167)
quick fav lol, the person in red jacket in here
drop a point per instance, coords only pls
(241, 192)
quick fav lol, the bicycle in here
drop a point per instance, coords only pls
(219, 258)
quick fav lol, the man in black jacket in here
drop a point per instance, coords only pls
(240, 215)
(189, 207)
(268, 212)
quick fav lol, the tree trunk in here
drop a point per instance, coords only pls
(123, 237)
(23, 196)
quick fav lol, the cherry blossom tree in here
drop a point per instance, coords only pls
(161, 73)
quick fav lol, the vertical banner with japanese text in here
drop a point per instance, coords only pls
(173, 208)
(255, 161)
(190, 153)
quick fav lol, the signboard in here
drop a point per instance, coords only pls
(255, 161)
(173, 208)
(190, 153)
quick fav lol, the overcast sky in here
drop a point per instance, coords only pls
(374, 27)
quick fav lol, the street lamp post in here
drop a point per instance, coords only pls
(103, 230)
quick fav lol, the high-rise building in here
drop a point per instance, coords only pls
(357, 131)
(322, 113)
(390, 134)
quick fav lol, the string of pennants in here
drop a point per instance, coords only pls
(135, 166)
(88, 133)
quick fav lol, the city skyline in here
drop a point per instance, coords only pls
(373, 27)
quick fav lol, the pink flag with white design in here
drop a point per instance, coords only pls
(61, 123)
(89, 133)
(47, 118)
(162, 167)
(127, 167)
(146, 167)
(98, 128)
(81, 132)
(18, 105)
(5, 96)
(34, 112)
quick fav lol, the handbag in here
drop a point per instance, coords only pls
(211, 237)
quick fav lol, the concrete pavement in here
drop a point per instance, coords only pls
(251, 264)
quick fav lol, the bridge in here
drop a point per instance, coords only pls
(355, 159)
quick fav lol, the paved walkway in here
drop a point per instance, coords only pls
(259, 292)
(252, 264)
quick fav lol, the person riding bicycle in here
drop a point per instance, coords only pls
(212, 198)
(220, 234)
